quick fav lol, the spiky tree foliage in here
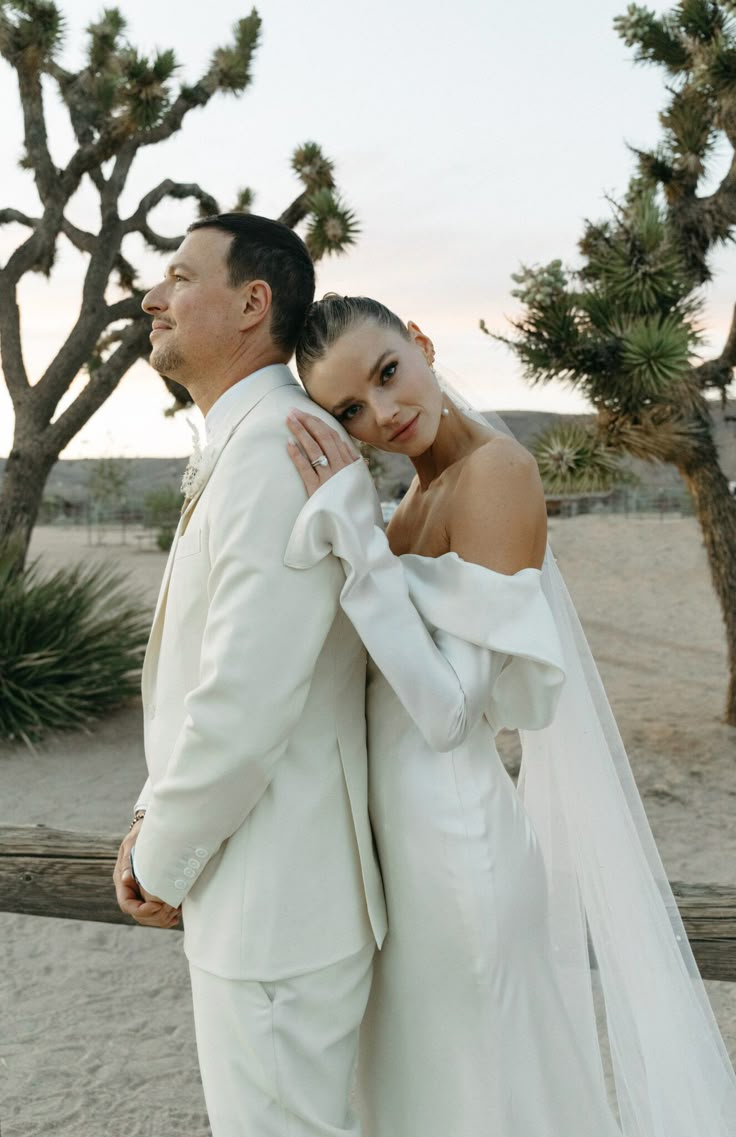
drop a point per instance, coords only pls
(571, 460)
(695, 44)
(119, 102)
(623, 328)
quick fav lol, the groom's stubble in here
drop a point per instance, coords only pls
(167, 361)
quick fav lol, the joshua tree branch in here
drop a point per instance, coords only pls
(187, 100)
(86, 159)
(157, 242)
(65, 81)
(719, 372)
(729, 351)
(127, 309)
(297, 211)
(114, 187)
(82, 339)
(31, 97)
(81, 240)
(71, 356)
(101, 263)
(9, 215)
(723, 199)
(13, 365)
(201, 92)
(92, 154)
(177, 190)
(87, 242)
(37, 251)
(138, 221)
(102, 383)
(81, 127)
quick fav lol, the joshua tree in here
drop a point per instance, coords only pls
(118, 102)
(623, 328)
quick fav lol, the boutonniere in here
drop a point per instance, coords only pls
(199, 465)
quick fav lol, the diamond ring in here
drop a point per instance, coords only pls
(321, 461)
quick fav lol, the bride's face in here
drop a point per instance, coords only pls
(381, 387)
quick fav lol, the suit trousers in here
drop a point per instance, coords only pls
(277, 1059)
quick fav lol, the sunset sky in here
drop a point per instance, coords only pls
(468, 138)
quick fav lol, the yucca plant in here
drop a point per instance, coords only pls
(71, 647)
(572, 460)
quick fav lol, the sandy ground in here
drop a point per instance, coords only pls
(96, 1037)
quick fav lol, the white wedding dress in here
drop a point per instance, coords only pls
(466, 1033)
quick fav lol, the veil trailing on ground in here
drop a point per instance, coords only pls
(611, 905)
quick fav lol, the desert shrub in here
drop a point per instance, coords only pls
(71, 647)
(165, 538)
(162, 508)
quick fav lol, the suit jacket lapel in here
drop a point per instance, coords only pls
(250, 393)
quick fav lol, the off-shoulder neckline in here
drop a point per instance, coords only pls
(453, 557)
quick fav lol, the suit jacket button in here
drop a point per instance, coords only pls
(193, 863)
(201, 852)
(188, 872)
(180, 884)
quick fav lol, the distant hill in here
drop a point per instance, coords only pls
(68, 479)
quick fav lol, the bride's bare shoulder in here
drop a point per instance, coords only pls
(501, 462)
(498, 516)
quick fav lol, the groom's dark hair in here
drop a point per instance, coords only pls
(262, 249)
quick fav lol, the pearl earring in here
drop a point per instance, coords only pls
(445, 411)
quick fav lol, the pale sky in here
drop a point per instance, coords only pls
(468, 138)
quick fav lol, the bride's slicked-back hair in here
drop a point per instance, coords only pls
(329, 318)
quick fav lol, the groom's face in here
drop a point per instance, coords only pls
(197, 315)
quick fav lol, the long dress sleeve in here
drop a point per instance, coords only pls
(455, 643)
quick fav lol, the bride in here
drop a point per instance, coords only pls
(481, 1019)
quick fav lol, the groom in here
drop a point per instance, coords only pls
(254, 818)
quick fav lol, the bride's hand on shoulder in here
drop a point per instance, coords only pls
(317, 451)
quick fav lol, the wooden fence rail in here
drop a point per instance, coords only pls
(55, 872)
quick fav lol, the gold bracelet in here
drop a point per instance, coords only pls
(137, 816)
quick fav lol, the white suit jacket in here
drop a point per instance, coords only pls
(253, 692)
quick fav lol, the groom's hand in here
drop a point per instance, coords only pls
(136, 902)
